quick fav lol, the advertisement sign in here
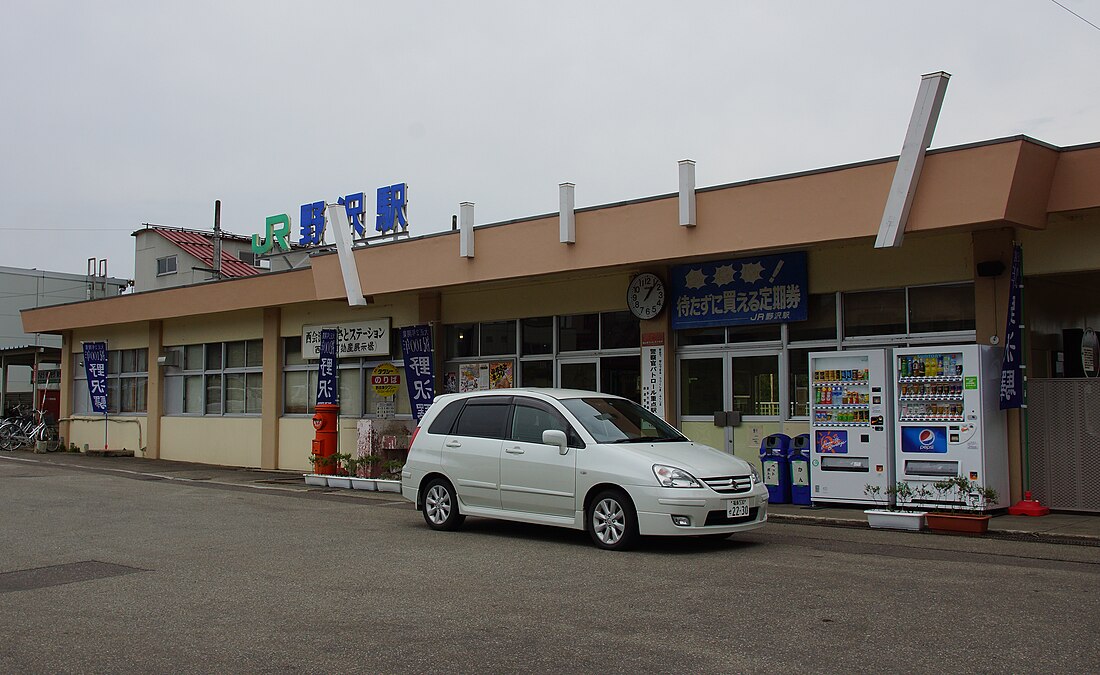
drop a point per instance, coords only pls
(384, 379)
(416, 345)
(358, 338)
(95, 367)
(391, 215)
(924, 439)
(762, 289)
(653, 379)
(1012, 376)
(327, 391)
(831, 441)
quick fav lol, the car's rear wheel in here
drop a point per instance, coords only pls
(612, 521)
(441, 506)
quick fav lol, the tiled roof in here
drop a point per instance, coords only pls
(201, 245)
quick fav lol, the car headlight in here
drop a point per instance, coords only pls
(755, 474)
(670, 476)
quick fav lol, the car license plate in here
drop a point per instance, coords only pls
(737, 508)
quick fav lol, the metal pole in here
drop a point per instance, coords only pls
(217, 239)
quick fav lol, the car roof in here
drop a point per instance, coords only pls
(536, 392)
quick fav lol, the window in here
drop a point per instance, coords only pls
(756, 385)
(874, 313)
(357, 397)
(579, 333)
(166, 265)
(127, 382)
(934, 309)
(701, 386)
(484, 418)
(217, 378)
(820, 323)
(619, 330)
(529, 422)
(538, 335)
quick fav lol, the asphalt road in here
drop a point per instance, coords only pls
(110, 572)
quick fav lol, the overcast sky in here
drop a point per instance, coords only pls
(116, 114)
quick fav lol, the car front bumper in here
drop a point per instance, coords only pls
(704, 509)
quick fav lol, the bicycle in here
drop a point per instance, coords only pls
(22, 430)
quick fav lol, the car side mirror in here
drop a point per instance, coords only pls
(556, 437)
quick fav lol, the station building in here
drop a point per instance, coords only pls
(216, 372)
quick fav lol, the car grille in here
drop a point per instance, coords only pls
(729, 485)
(720, 517)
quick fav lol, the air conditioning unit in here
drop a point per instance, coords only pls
(171, 358)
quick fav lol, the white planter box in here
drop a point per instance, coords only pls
(388, 485)
(363, 484)
(339, 482)
(895, 520)
(315, 479)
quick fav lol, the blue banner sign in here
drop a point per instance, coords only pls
(1012, 374)
(762, 289)
(95, 367)
(327, 391)
(416, 346)
(924, 439)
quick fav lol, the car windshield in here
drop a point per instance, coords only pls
(616, 420)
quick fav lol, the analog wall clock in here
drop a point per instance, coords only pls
(646, 295)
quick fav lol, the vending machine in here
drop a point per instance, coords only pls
(949, 421)
(851, 432)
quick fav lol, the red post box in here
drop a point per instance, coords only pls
(325, 422)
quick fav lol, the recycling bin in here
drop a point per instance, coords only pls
(776, 467)
(799, 460)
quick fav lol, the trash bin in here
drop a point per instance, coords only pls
(776, 467)
(799, 460)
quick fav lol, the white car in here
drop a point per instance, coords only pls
(576, 459)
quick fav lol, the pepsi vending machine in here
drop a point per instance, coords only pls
(949, 421)
(851, 437)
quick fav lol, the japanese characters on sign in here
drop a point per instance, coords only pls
(1012, 385)
(391, 214)
(95, 367)
(653, 379)
(359, 338)
(762, 289)
(327, 389)
(416, 346)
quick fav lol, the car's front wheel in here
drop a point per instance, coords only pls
(612, 521)
(441, 506)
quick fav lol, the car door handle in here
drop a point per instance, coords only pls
(453, 444)
(514, 451)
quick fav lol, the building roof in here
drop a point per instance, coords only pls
(200, 244)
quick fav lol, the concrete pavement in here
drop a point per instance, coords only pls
(1059, 528)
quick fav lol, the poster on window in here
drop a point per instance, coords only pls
(757, 290)
(500, 375)
(473, 377)
(327, 391)
(95, 367)
(653, 379)
(416, 345)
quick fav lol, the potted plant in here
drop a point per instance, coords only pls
(321, 467)
(898, 513)
(340, 478)
(359, 469)
(963, 502)
(391, 476)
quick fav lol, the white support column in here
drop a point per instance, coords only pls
(918, 137)
(567, 223)
(687, 193)
(338, 223)
(466, 229)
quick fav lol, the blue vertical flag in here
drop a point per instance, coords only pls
(95, 366)
(327, 391)
(1012, 367)
(416, 345)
